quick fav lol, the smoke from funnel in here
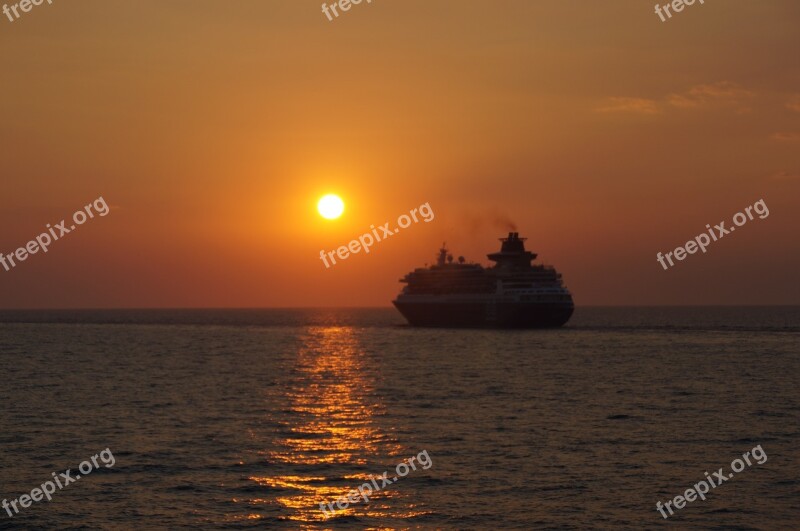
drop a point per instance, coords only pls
(505, 223)
(479, 222)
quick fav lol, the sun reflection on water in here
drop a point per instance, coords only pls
(330, 439)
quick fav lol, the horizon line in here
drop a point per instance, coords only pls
(203, 308)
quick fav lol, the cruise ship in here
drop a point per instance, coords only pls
(513, 293)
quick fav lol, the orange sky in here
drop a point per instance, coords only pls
(211, 129)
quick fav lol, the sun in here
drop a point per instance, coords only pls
(330, 206)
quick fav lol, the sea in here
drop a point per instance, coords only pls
(272, 419)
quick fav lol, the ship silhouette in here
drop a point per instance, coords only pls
(513, 293)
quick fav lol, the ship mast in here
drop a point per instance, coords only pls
(442, 258)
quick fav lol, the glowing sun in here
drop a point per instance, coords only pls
(330, 206)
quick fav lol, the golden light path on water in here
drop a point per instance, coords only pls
(331, 423)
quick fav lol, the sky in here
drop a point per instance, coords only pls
(211, 129)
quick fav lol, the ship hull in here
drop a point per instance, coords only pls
(480, 314)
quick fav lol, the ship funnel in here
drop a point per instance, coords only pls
(513, 244)
(512, 251)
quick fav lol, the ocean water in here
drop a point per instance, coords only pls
(233, 419)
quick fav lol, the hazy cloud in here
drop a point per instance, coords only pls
(722, 94)
(785, 176)
(716, 95)
(786, 137)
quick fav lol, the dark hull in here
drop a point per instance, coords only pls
(484, 315)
